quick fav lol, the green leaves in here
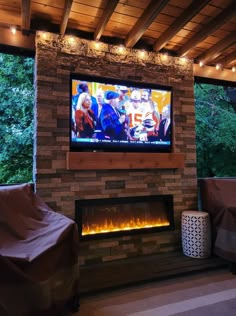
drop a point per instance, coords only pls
(16, 118)
(215, 131)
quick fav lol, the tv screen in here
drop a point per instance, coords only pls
(117, 115)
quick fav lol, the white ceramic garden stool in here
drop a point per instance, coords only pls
(196, 237)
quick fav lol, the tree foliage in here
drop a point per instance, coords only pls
(16, 118)
(215, 131)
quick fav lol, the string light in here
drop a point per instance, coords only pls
(184, 59)
(218, 66)
(44, 35)
(201, 63)
(165, 56)
(142, 54)
(71, 40)
(13, 30)
(97, 45)
(121, 49)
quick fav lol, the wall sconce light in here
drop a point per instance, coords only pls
(234, 69)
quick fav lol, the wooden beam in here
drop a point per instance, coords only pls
(111, 5)
(65, 17)
(112, 160)
(208, 29)
(20, 41)
(213, 52)
(179, 23)
(148, 16)
(25, 14)
(211, 72)
(229, 59)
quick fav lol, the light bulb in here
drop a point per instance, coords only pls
(13, 30)
(97, 45)
(121, 49)
(201, 63)
(142, 54)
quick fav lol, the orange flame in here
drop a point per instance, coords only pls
(134, 223)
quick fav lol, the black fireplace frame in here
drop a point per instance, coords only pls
(167, 199)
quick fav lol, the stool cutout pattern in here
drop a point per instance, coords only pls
(195, 234)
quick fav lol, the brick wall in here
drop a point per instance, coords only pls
(56, 58)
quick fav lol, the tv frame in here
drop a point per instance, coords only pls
(143, 147)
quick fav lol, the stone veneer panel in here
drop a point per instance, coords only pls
(56, 58)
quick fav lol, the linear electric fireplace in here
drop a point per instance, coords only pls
(110, 217)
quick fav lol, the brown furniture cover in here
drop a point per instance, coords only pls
(218, 198)
(38, 255)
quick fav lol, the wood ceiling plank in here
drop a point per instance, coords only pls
(148, 16)
(52, 14)
(208, 29)
(230, 26)
(210, 11)
(215, 50)
(221, 3)
(164, 19)
(95, 3)
(50, 3)
(152, 34)
(84, 21)
(158, 27)
(230, 59)
(128, 10)
(10, 19)
(173, 11)
(116, 30)
(120, 18)
(10, 15)
(182, 19)
(210, 41)
(87, 9)
(136, 3)
(181, 4)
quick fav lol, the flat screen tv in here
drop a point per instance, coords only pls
(119, 115)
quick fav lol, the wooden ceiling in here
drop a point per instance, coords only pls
(199, 29)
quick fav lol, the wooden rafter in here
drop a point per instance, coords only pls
(148, 16)
(183, 19)
(111, 5)
(65, 17)
(25, 14)
(208, 29)
(215, 50)
(228, 60)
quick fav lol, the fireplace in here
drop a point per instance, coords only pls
(110, 217)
